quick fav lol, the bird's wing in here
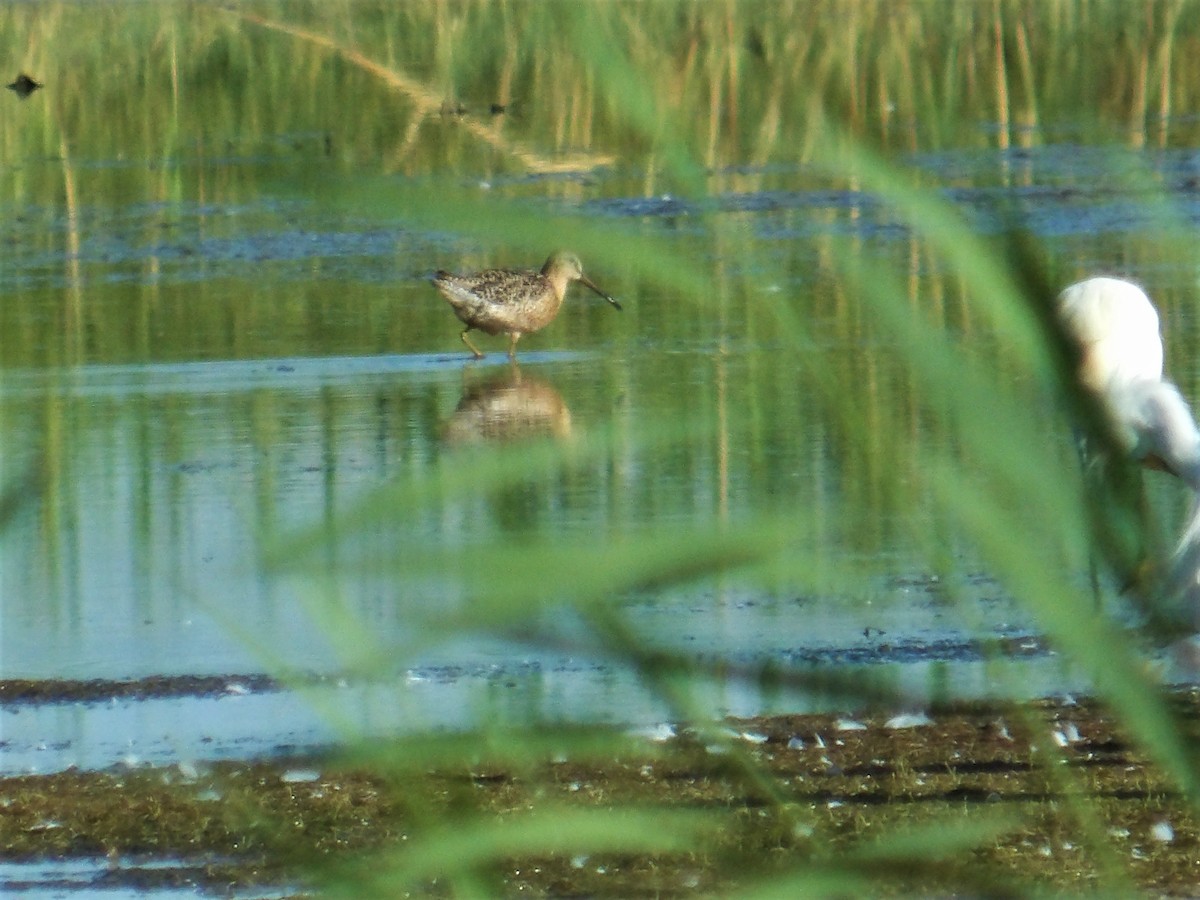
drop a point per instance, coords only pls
(1158, 426)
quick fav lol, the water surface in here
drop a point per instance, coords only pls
(204, 351)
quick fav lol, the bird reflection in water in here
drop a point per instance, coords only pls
(509, 407)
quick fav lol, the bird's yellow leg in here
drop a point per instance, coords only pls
(512, 344)
(466, 340)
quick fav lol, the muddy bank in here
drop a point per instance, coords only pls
(101, 690)
(1079, 792)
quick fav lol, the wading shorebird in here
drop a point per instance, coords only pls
(1116, 328)
(512, 302)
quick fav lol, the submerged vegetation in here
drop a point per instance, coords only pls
(763, 188)
(633, 816)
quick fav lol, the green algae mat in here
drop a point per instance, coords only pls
(1051, 796)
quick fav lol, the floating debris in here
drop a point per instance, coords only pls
(299, 776)
(1162, 832)
(908, 720)
(659, 734)
(1066, 734)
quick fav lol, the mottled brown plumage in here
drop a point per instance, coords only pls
(512, 302)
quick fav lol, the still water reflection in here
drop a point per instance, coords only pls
(199, 356)
(161, 481)
(508, 407)
(147, 553)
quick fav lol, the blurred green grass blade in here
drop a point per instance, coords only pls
(982, 423)
(444, 206)
(505, 581)
(950, 836)
(639, 101)
(520, 748)
(990, 419)
(995, 290)
(551, 830)
(1074, 625)
(904, 856)
(1015, 506)
(473, 472)
(814, 881)
(19, 492)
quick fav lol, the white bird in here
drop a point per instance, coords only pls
(1116, 327)
(1117, 330)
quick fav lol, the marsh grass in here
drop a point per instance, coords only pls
(981, 468)
(946, 420)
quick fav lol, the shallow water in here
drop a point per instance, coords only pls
(96, 876)
(204, 350)
(145, 556)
